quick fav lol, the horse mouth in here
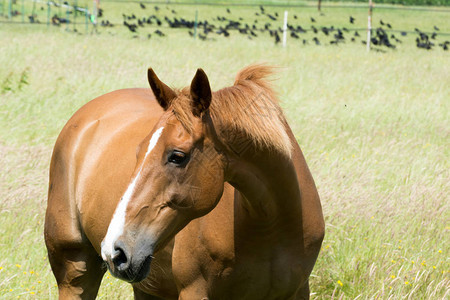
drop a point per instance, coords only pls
(134, 273)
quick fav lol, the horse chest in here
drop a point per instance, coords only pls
(234, 269)
(266, 274)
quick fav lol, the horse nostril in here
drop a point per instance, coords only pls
(119, 258)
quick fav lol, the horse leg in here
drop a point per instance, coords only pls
(78, 271)
(140, 295)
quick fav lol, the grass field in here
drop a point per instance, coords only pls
(374, 128)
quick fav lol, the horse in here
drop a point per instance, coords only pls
(184, 193)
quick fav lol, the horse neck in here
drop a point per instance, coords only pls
(268, 187)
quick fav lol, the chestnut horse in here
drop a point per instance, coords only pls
(197, 195)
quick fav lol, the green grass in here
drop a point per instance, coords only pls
(374, 128)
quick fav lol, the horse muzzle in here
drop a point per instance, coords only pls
(128, 266)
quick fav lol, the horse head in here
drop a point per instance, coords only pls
(178, 177)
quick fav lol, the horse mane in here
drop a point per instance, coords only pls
(248, 110)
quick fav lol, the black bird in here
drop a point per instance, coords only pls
(159, 32)
(403, 33)
(294, 35)
(381, 22)
(435, 28)
(295, 17)
(313, 20)
(277, 37)
(381, 38)
(424, 45)
(314, 29)
(424, 36)
(271, 17)
(433, 36)
(444, 45)
(352, 20)
(174, 12)
(224, 31)
(339, 36)
(142, 5)
(300, 29)
(276, 14)
(131, 27)
(228, 11)
(156, 8)
(389, 25)
(356, 33)
(316, 40)
(55, 20)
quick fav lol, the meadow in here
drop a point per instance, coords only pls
(374, 128)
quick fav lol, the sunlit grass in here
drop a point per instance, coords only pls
(374, 128)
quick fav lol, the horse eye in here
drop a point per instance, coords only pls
(177, 157)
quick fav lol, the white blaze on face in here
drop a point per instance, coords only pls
(117, 224)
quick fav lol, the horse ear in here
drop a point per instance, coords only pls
(200, 93)
(164, 94)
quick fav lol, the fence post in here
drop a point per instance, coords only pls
(285, 27)
(369, 25)
(67, 17)
(86, 19)
(33, 11)
(195, 24)
(48, 13)
(74, 15)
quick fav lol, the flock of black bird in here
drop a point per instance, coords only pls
(381, 37)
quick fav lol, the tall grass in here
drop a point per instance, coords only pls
(374, 128)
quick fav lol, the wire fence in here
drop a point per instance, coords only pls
(72, 16)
